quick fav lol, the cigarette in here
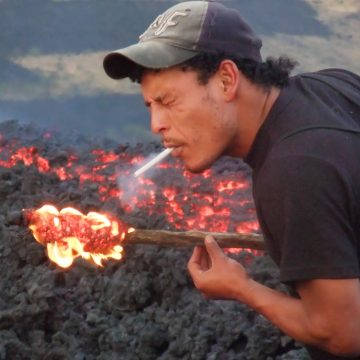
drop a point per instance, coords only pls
(153, 162)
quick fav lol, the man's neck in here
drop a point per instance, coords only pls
(254, 107)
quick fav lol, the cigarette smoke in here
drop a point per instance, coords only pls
(131, 187)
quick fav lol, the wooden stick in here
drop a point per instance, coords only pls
(192, 238)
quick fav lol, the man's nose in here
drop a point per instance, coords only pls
(159, 123)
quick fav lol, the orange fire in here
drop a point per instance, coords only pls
(69, 234)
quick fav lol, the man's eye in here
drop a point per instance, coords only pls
(168, 102)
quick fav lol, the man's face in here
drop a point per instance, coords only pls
(193, 118)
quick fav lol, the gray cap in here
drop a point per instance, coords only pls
(182, 32)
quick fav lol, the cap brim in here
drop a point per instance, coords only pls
(119, 64)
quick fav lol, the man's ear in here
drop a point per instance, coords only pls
(229, 77)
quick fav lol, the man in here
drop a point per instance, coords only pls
(209, 93)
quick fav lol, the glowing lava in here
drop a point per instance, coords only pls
(215, 201)
(69, 234)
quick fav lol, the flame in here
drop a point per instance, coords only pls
(68, 234)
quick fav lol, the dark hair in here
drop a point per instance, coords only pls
(272, 72)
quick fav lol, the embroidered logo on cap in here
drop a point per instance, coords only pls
(162, 22)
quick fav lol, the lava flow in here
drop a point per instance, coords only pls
(217, 200)
(210, 201)
(69, 234)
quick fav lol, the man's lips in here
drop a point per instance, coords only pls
(177, 148)
(177, 151)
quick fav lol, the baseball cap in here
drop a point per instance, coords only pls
(182, 32)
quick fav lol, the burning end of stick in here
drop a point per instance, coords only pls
(68, 234)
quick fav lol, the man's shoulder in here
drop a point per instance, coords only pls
(332, 76)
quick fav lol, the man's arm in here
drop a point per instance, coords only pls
(327, 315)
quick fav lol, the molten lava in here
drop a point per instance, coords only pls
(69, 234)
(217, 200)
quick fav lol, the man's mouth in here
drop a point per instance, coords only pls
(177, 148)
(177, 151)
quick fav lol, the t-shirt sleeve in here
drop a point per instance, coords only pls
(306, 208)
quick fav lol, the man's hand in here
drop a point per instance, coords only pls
(216, 275)
(313, 319)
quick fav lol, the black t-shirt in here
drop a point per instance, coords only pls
(306, 178)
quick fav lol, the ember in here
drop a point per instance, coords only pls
(68, 234)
